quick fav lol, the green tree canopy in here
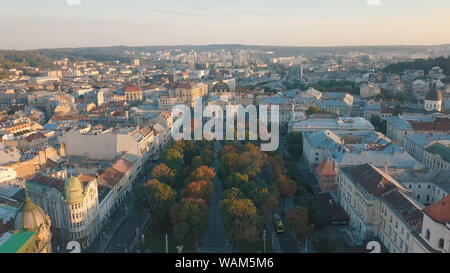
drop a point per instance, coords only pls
(203, 173)
(174, 159)
(164, 174)
(241, 219)
(297, 220)
(189, 218)
(155, 196)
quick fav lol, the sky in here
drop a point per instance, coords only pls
(31, 24)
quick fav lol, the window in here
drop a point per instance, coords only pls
(441, 243)
(419, 186)
(427, 236)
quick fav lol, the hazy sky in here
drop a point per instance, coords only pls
(27, 24)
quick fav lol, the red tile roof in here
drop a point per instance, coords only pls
(440, 211)
(34, 136)
(325, 169)
(132, 88)
(122, 165)
(440, 124)
(110, 177)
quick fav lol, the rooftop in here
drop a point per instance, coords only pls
(369, 178)
(110, 177)
(12, 242)
(47, 181)
(405, 208)
(441, 150)
(440, 211)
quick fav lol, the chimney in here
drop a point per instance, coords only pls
(385, 167)
(62, 150)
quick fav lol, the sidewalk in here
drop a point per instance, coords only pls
(113, 224)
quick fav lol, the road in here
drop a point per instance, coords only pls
(214, 240)
(118, 234)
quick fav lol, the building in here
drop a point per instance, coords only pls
(31, 232)
(188, 92)
(360, 191)
(436, 226)
(73, 206)
(426, 185)
(133, 93)
(398, 127)
(432, 150)
(357, 148)
(433, 100)
(107, 144)
(401, 220)
(368, 89)
(381, 208)
(335, 124)
(295, 73)
(326, 175)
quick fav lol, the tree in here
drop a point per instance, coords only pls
(240, 219)
(228, 164)
(228, 149)
(312, 110)
(250, 163)
(157, 197)
(264, 200)
(397, 110)
(295, 143)
(199, 189)
(189, 218)
(197, 162)
(208, 156)
(203, 173)
(320, 218)
(236, 180)
(174, 159)
(164, 174)
(297, 220)
(376, 121)
(285, 186)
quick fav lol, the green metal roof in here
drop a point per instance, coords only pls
(16, 241)
(442, 150)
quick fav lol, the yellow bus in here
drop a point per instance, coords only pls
(278, 223)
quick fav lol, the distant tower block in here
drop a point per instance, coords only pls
(173, 78)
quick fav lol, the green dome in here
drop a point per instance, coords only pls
(73, 191)
(30, 216)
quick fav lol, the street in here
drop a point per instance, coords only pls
(215, 239)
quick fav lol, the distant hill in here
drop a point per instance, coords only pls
(42, 57)
(424, 64)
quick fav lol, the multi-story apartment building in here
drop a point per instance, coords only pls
(107, 144)
(189, 91)
(432, 150)
(400, 127)
(381, 208)
(73, 206)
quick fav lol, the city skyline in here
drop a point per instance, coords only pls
(64, 23)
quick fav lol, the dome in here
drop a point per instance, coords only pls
(434, 94)
(73, 191)
(30, 216)
(221, 87)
